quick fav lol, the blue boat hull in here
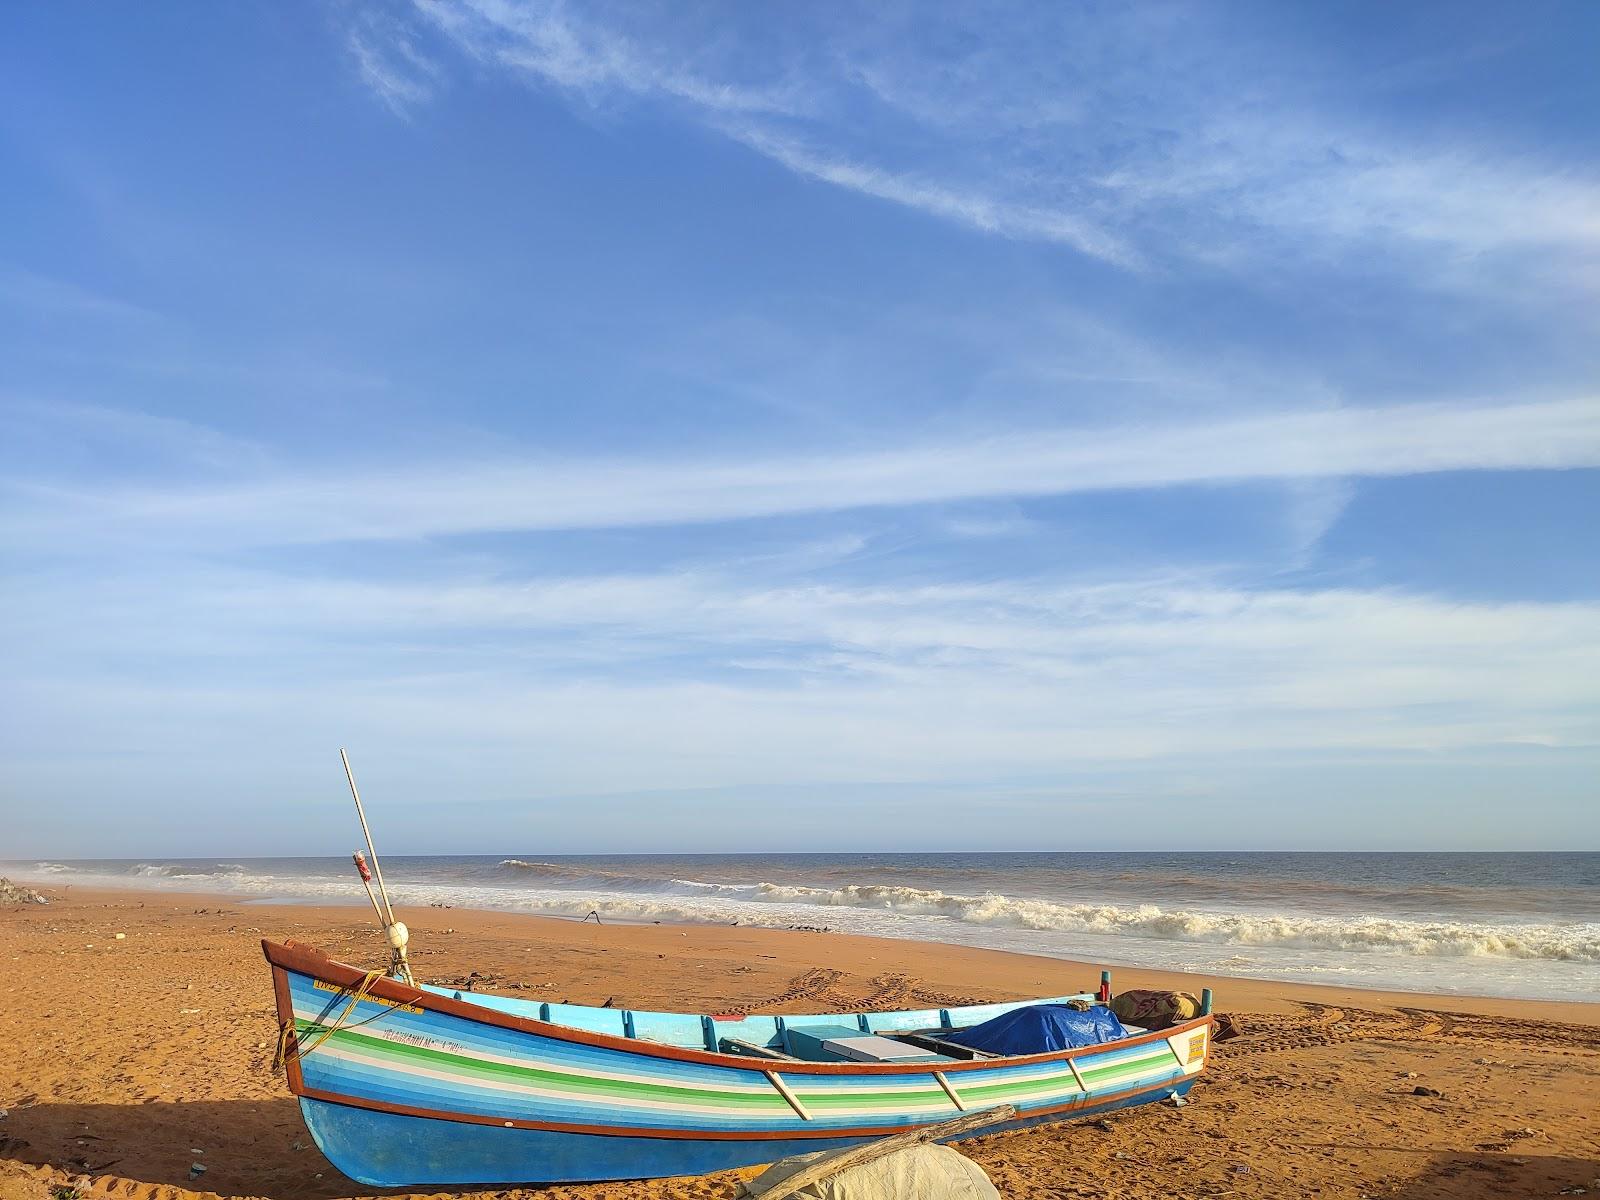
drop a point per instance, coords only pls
(383, 1149)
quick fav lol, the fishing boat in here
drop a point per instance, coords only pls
(403, 1084)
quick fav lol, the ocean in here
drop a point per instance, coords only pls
(1521, 924)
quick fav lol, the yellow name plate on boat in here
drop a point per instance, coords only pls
(323, 986)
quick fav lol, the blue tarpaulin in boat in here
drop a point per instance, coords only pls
(1041, 1027)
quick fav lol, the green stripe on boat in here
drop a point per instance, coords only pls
(467, 1068)
(459, 1065)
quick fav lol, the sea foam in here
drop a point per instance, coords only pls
(1565, 943)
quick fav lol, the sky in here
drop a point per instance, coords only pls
(807, 427)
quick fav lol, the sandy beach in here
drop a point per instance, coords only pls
(128, 1060)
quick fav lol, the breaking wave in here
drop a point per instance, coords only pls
(654, 898)
(564, 873)
(1562, 943)
(577, 875)
(183, 870)
(541, 868)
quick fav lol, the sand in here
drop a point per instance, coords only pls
(128, 1060)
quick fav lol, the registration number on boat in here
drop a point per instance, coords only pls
(417, 1039)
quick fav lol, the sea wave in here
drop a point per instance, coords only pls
(1412, 895)
(542, 868)
(631, 897)
(1564, 943)
(578, 875)
(183, 870)
(521, 868)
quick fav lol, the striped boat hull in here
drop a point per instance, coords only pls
(402, 1087)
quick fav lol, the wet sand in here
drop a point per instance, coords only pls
(128, 1061)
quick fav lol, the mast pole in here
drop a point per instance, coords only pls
(399, 935)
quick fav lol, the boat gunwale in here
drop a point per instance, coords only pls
(308, 960)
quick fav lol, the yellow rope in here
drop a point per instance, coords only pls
(281, 1056)
(286, 1028)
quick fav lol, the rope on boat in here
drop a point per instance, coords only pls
(286, 1027)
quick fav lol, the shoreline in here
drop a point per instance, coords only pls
(1256, 986)
(140, 1057)
(1252, 992)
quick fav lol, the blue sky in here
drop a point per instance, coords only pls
(754, 427)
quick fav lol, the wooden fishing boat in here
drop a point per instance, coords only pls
(405, 1085)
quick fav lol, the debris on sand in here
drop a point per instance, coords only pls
(15, 893)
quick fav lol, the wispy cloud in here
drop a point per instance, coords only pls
(548, 42)
(1130, 137)
(1300, 177)
(105, 440)
(1313, 506)
(390, 63)
(501, 495)
(983, 212)
(35, 293)
(912, 683)
(597, 61)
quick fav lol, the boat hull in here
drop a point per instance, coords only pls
(402, 1087)
(382, 1149)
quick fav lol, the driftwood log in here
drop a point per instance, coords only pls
(832, 1163)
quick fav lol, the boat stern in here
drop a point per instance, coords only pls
(1192, 1046)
